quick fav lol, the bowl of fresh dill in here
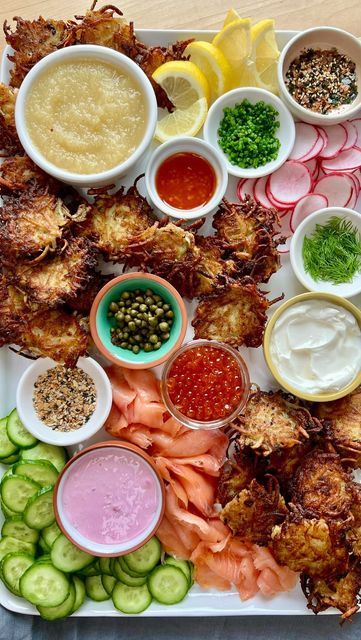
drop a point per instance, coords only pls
(326, 252)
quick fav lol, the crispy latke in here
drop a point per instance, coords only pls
(284, 462)
(19, 173)
(343, 426)
(13, 310)
(236, 475)
(212, 268)
(342, 593)
(274, 421)
(9, 141)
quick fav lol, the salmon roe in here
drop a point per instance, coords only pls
(205, 383)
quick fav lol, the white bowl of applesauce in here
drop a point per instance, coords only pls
(86, 114)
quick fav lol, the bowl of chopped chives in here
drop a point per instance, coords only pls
(253, 131)
(325, 252)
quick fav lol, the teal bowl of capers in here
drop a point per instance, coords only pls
(138, 320)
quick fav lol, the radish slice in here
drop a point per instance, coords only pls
(317, 149)
(355, 182)
(260, 193)
(337, 137)
(352, 201)
(304, 207)
(282, 206)
(306, 139)
(337, 188)
(312, 166)
(357, 124)
(290, 182)
(245, 188)
(285, 231)
(346, 160)
(323, 135)
(352, 136)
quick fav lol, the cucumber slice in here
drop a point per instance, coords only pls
(131, 599)
(43, 546)
(125, 578)
(39, 512)
(42, 472)
(16, 491)
(109, 583)
(48, 452)
(79, 593)
(92, 569)
(50, 534)
(10, 459)
(17, 432)
(183, 565)
(8, 513)
(95, 590)
(44, 558)
(63, 610)
(125, 568)
(44, 585)
(7, 448)
(66, 557)
(104, 566)
(144, 559)
(12, 545)
(168, 584)
(13, 566)
(17, 528)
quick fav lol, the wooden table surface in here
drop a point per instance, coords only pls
(201, 14)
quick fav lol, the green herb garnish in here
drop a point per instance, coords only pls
(333, 251)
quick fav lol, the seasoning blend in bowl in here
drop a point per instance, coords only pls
(109, 499)
(312, 345)
(205, 384)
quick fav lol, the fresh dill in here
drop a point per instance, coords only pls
(333, 251)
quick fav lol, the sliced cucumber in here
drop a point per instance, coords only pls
(44, 585)
(63, 610)
(131, 599)
(43, 546)
(13, 566)
(41, 471)
(50, 534)
(168, 584)
(92, 569)
(125, 568)
(48, 452)
(95, 590)
(17, 432)
(12, 545)
(7, 448)
(183, 565)
(66, 557)
(39, 512)
(125, 578)
(44, 558)
(145, 558)
(10, 459)
(16, 491)
(8, 513)
(17, 528)
(104, 565)
(79, 593)
(108, 583)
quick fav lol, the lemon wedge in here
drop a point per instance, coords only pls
(213, 64)
(187, 88)
(265, 54)
(231, 16)
(234, 41)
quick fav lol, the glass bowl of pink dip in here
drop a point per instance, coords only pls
(109, 499)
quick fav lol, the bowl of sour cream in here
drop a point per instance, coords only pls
(312, 346)
(109, 499)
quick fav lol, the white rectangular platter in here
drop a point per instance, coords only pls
(199, 602)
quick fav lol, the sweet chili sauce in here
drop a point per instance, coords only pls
(205, 383)
(185, 181)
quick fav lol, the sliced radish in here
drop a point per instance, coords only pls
(260, 193)
(282, 206)
(352, 136)
(338, 189)
(290, 182)
(352, 201)
(245, 188)
(317, 149)
(306, 139)
(357, 175)
(355, 181)
(337, 137)
(323, 135)
(357, 124)
(312, 166)
(346, 160)
(304, 207)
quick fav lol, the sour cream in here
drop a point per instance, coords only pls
(316, 346)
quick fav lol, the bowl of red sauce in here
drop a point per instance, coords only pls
(186, 178)
(205, 384)
(109, 499)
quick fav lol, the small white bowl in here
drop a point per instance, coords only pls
(285, 133)
(181, 145)
(92, 52)
(30, 419)
(321, 38)
(306, 228)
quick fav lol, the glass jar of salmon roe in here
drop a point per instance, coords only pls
(205, 384)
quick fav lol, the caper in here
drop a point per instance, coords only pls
(144, 332)
(137, 292)
(119, 315)
(157, 345)
(125, 335)
(131, 341)
(128, 303)
(159, 312)
(148, 347)
(136, 349)
(153, 338)
(138, 322)
(144, 324)
(153, 322)
(153, 307)
(113, 306)
(157, 298)
(135, 305)
(160, 304)
(169, 314)
(131, 326)
(124, 345)
(148, 292)
(143, 307)
(119, 333)
(125, 295)
(164, 327)
(127, 318)
(149, 300)
(165, 336)
(139, 299)
(112, 330)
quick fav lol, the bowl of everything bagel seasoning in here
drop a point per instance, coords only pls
(61, 405)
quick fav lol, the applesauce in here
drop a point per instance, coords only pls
(85, 116)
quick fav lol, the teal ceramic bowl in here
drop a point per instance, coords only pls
(100, 324)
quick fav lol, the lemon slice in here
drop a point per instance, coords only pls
(188, 89)
(234, 40)
(265, 54)
(211, 61)
(231, 16)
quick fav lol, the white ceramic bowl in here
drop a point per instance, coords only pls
(285, 132)
(93, 52)
(30, 419)
(306, 228)
(324, 38)
(181, 145)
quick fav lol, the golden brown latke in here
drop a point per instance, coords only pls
(212, 268)
(13, 309)
(234, 314)
(342, 593)
(322, 487)
(9, 141)
(283, 463)
(236, 475)
(343, 426)
(19, 173)
(273, 421)
(58, 278)
(254, 511)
